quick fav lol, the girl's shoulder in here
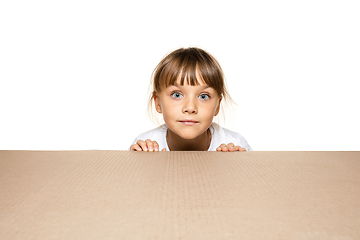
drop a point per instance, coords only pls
(159, 131)
(222, 135)
(223, 132)
(157, 134)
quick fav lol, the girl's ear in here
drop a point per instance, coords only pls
(218, 108)
(157, 103)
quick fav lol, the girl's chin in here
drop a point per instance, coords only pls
(187, 136)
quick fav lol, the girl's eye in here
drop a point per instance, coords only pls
(204, 96)
(176, 95)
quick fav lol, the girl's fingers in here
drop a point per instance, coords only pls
(230, 148)
(221, 147)
(150, 145)
(234, 148)
(146, 146)
(142, 144)
(238, 148)
(135, 147)
(156, 146)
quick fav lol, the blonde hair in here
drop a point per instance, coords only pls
(185, 64)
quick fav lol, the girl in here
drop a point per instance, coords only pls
(188, 87)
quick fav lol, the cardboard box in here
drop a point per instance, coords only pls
(179, 195)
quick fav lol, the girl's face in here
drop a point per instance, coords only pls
(188, 110)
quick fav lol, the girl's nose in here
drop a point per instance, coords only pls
(190, 107)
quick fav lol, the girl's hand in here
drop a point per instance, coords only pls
(230, 148)
(146, 146)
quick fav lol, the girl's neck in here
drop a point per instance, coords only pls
(177, 143)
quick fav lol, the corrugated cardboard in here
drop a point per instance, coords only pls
(179, 195)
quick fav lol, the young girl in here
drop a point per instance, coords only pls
(188, 87)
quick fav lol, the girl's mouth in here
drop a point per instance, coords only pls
(188, 122)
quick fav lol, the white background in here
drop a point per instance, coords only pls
(75, 74)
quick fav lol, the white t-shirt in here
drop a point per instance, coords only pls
(219, 136)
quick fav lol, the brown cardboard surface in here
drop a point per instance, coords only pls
(179, 195)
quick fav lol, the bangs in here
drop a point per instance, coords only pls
(192, 65)
(181, 74)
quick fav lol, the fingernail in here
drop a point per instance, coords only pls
(150, 149)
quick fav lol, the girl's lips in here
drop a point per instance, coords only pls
(188, 122)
